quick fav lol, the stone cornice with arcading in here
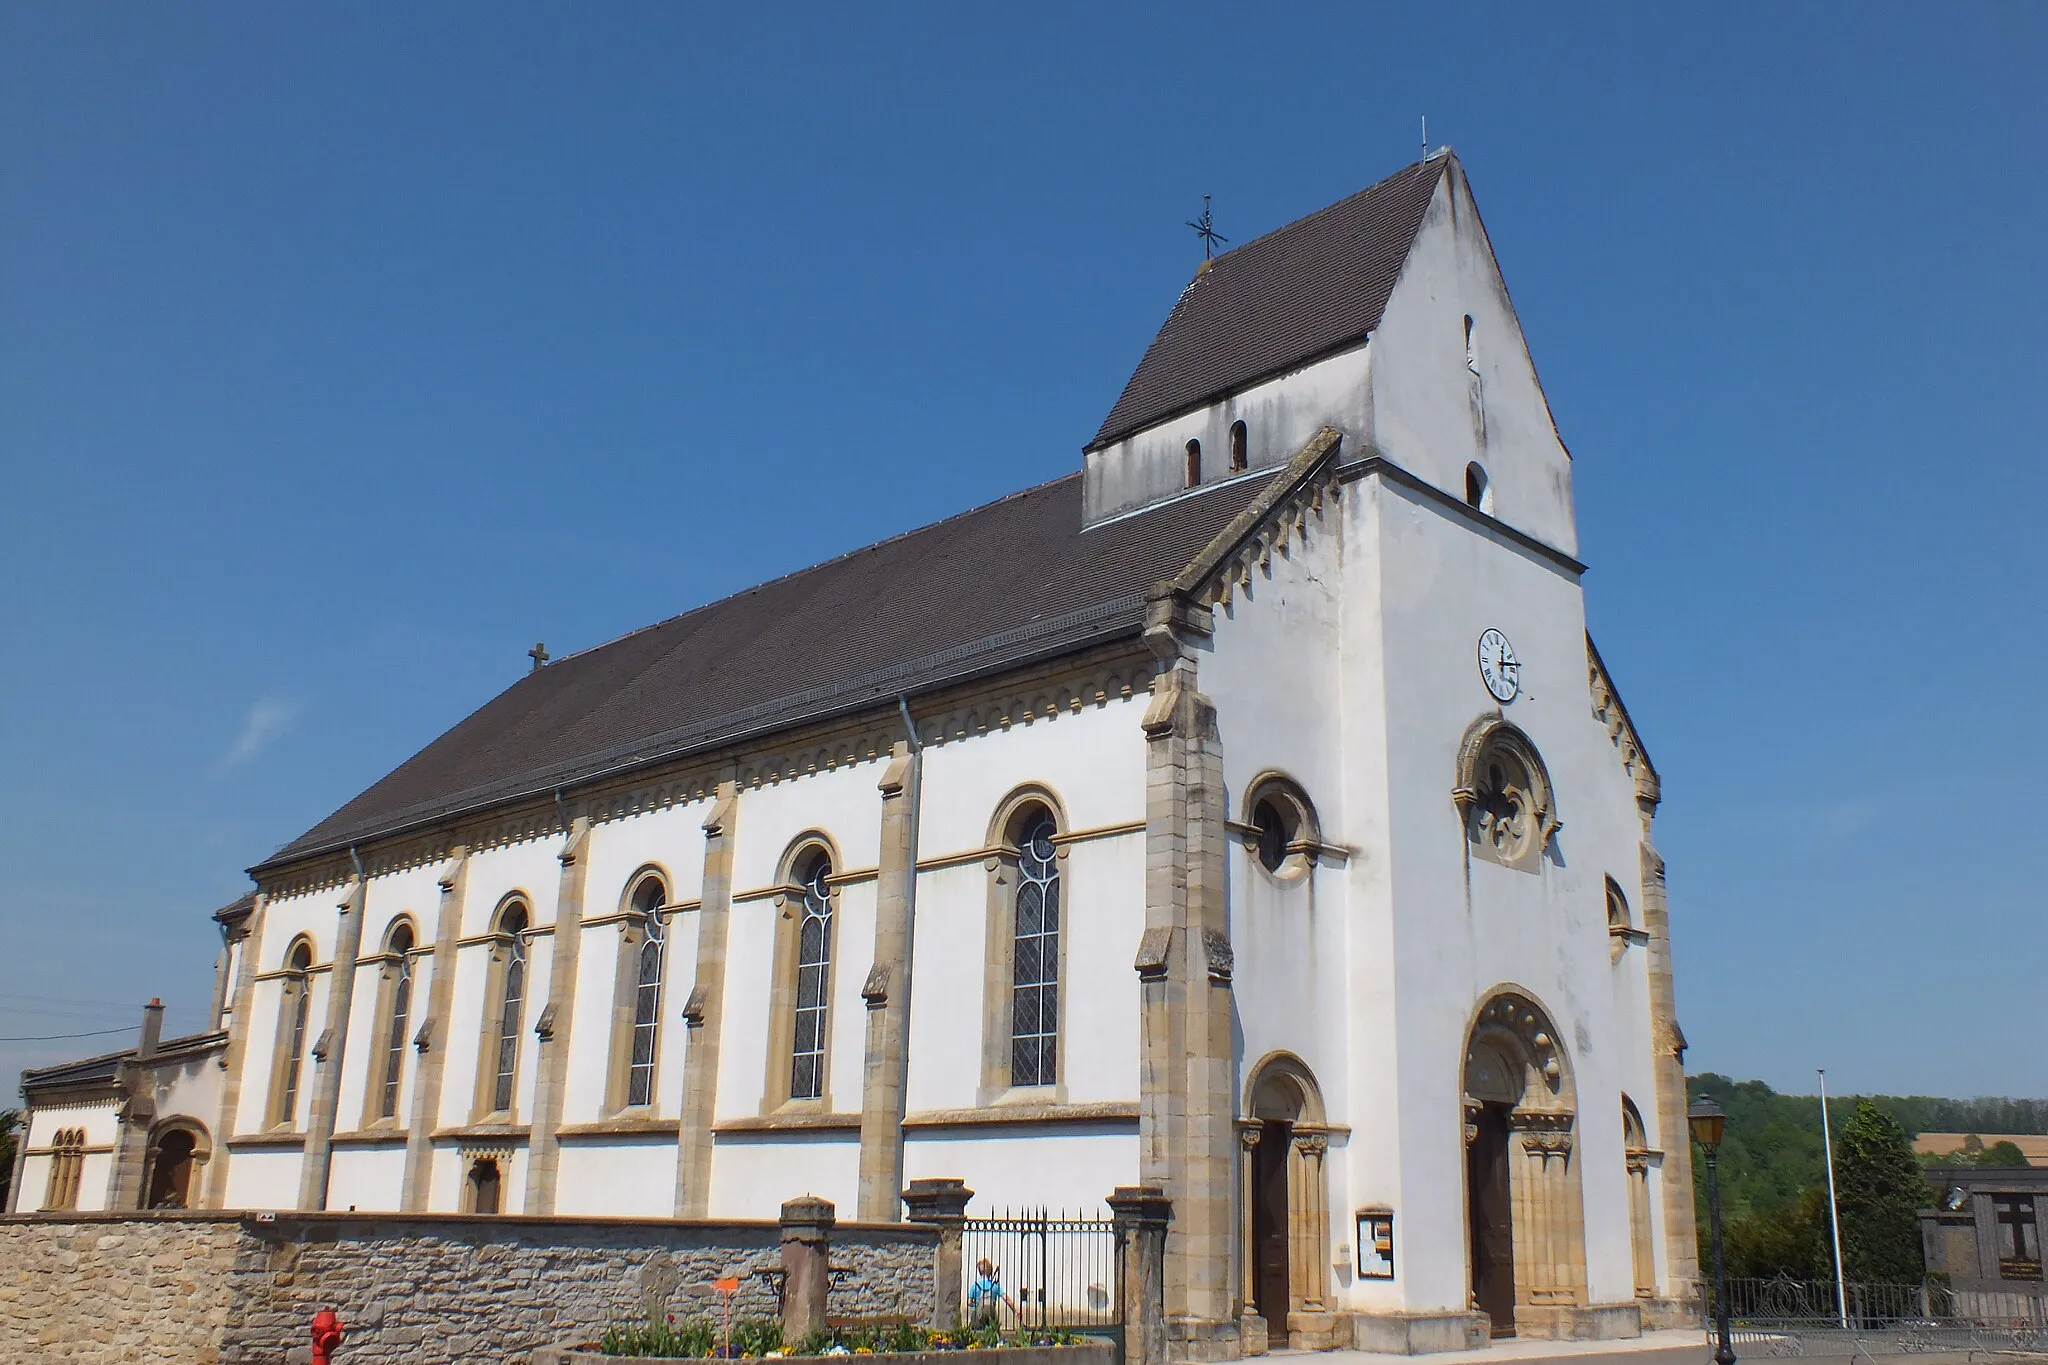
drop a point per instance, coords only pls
(1621, 731)
(1275, 519)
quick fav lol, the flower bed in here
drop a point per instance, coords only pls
(882, 1344)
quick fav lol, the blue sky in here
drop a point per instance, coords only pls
(344, 354)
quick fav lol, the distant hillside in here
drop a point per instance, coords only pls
(1772, 1151)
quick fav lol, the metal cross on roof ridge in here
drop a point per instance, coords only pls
(1205, 228)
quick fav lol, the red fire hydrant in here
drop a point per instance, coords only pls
(326, 1336)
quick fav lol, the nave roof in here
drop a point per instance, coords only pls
(991, 589)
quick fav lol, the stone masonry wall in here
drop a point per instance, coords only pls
(201, 1289)
(116, 1290)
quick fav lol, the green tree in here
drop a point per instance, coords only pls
(1880, 1190)
(10, 1124)
(2004, 1152)
(1786, 1239)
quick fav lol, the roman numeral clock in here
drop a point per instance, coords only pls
(1499, 669)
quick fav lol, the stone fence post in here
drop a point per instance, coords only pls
(942, 1204)
(1141, 1213)
(807, 1224)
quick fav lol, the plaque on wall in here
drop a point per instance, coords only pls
(1376, 1244)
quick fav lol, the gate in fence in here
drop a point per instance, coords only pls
(1036, 1271)
(1787, 1317)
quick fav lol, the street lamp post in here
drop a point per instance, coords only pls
(1707, 1120)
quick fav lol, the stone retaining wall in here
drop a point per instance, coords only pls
(229, 1289)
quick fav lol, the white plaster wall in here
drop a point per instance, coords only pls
(412, 894)
(1093, 762)
(1466, 927)
(1279, 414)
(35, 1184)
(101, 1125)
(97, 1118)
(1423, 395)
(671, 842)
(191, 1090)
(844, 804)
(751, 1175)
(264, 1178)
(1072, 1167)
(616, 1177)
(366, 1178)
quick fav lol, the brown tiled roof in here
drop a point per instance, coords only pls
(1300, 292)
(991, 589)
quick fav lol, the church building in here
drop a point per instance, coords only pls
(1247, 814)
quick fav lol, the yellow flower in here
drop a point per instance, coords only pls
(863, 1350)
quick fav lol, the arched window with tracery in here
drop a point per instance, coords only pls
(504, 1011)
(1035, 956)
(396, 1017)
(293, 1016)
(811, 1016)
(1504, 794)
(648, 897)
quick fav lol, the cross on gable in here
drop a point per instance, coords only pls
(539, 653)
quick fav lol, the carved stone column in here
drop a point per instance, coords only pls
(807, 1225)
(943, 1204)
(1143, 1216)
(1308, 1197)
(704, 1013)
(430, 1039)
(1549, 1217)
(332, 1049)
(887, 992)
(1645, 1256)
(551, 1076)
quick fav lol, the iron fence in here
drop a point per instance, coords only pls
(1048, 1271)
(1787, 1317)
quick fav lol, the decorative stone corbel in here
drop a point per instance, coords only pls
(1153, 948)
(544, 1027)
(1216, 948)
(696, 1005)
(875, 990)
(423, 1040)
(323, 1045)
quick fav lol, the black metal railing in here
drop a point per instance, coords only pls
(1049, 1271)
(1788, 1317)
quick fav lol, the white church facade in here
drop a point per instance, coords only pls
(1247, 815)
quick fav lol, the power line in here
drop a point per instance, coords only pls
(55, 1037)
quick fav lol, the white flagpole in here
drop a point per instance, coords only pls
(1834, 1212)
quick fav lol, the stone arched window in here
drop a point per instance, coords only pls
(1635, 1146)
(799, 1057)
(294, 1015)
(505, 993)
(178, 1148)
(1240, 446)
(636, 1017)
(67, 1164)
(1026, 957)
(1279, 827)
(392, 1019)
(1194, 453)
(1503, 794)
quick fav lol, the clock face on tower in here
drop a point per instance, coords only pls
(1499, 669)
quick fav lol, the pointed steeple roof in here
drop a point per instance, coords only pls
(1298, 293)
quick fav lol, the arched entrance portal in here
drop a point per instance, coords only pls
(1527, 1223)
(177, 1150)
(1285, 1197)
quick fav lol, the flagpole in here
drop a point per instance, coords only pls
(1834, 1211)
